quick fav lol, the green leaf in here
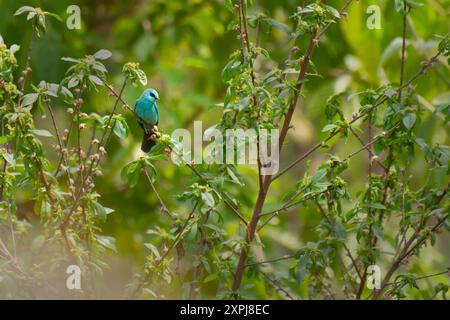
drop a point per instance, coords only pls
(330, 127)
(409, 120)
(65, 94)
(319, 175)
(69, 59)
(42, 133)
(211, 277)
(230, 69)
(31, 15)
(53, 15)
(5, 139)
(378, 232)
(29, 99)
(208, 199)
(399, 5)
(278, 25)
(214, 228)
(229, 5)
(73, 82)
(96, 80)
(413, 4)
(378, 206)
(156, 157)
(121, 129)
(303, 267)
(100, 210)
(234, 176)
(107, 242)
(103, 54)
(340, 231)
(23, 9)
(390, 93)
(142, 77)
(38, 242)
(10, 159)
(333, 11)
(136, 75)
(131, 173)
(152, 249)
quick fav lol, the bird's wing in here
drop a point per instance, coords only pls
(157, 114)
(139, 120)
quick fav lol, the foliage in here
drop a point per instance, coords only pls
(364, 171)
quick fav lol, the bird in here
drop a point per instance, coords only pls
(147, 114)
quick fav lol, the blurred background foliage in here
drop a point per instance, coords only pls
(183, 45)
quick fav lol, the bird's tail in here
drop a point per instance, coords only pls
(147, 142)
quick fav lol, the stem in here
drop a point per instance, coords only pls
(251, 229)
(108, 122)
(180, 232)
(105, 138)
(66, 143)
(370, 215)
(80, 160)
(3, 179)
(58, 137)
(163, 205)
(277, 286)
(365, 146)
(402, 71)
(27, 68)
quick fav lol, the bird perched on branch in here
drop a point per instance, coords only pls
(146, 111)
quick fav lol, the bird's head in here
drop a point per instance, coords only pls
(151, 94)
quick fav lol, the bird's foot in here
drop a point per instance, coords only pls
(156, 131)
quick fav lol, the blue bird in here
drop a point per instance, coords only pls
(146, 111)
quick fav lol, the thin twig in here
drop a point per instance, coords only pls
(163, 205)
(27, 68)
(423, 277)
(180, 232)
(277, 285)
(226, 202)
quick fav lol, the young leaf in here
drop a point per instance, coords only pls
(24, 9)
(42, 133)
(208, 199)
(4, 139)
(107, 242)
(102, 54)
(69, 59)
(96, 80)
(131, 173)
(409, 120)
(121, 129)
(29, 99)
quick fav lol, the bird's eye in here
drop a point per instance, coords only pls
(153, 95)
